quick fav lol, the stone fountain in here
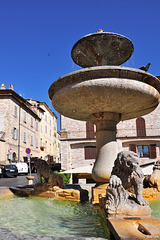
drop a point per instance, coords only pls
(104, 93)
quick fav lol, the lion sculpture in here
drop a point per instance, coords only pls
(126, 175)
(44, 170)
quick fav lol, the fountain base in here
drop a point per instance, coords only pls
(135, 228)
(98, 191)
(71, 193)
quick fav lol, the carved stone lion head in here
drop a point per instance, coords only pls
(127, 161)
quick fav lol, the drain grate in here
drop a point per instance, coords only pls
(132, 218)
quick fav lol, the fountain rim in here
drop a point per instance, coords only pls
(100, 72)
(89, 37)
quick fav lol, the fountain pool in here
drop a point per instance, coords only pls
(155, 208)
(50, 217)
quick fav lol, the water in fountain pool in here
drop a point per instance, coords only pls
(50, 217)
(155, 208)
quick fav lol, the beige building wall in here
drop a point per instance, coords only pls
(26, 124)
(48, 134)
(13, 108)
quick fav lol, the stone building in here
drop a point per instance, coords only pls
(21, 122)
(47, 130)
(141, 135)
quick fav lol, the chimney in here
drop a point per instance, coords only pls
(3, 86)
(11, 86)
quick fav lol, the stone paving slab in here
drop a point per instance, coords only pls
(126, 228)
(4, 191)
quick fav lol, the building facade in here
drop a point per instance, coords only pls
(21, 121)
(77, 143)
(48, 134)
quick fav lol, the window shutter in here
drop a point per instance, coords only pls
(90, 152)
(24, 116)
(15, 111)
(13, 133)
(87, 153)
(93, 152)
(140, 126)
(16, 133)
(89, 130)
(133, 148)
(152, 151)
(25, 137)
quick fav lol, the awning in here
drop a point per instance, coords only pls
(147, 170)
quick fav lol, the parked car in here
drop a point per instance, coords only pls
(9, 170)
(0, 172)
(22, 167)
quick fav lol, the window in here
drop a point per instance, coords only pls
(46, 117)
(40, 115)
(15, 111)
(37, 126)
(90, 152)
(89, 130)
(24, 137)
(25, 117)
(14, 133)
(148, 151)
(31, 122)
(46, 129)
(141, 127)
(46, 145)
(36, 143)
(32, 140)
(143, 151)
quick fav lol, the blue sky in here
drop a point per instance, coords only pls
(30, 29)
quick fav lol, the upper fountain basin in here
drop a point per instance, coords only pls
(127, 91)
(102, 48)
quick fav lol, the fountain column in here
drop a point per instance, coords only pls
(106, 143)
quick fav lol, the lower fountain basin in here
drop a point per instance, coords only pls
(49, 217)
(127, 91)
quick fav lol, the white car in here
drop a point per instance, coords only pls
(22, 167)
(1, 172)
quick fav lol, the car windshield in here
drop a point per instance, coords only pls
(10, 167)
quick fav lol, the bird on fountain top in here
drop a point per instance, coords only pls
(100, 30)
(145, 68)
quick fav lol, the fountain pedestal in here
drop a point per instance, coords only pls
(30, 180)
(107, 148)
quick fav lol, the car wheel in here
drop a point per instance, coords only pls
(15, 175)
